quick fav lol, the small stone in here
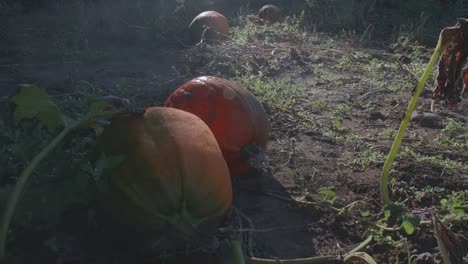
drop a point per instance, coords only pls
(429, 120)
(376, 116)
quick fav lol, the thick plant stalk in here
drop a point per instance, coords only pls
(441, 44)
(15, 195)
(237, 253)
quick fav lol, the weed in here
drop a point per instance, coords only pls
(319, 106)
(455, 134)
(387, 133)
(437, 161)
(367, 159)
(455, 203)
(343, 109)
(328, 195)
(279, 95)
(288, 30)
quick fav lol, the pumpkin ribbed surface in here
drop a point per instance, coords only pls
(173, 171)
(233, 114)
(212, 20)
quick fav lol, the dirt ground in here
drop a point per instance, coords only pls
(346, 100)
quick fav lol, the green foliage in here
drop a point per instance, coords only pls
(387, 133)
(280, 95)
(328, 195)
(367, 159)
(393, 212)
(437, 161)
(59, 190)
(365, 213)
(343, 109)
(410, 222)
(455, 134)
(456, 203)
(31, 102)
(288, 30)
(396, 212)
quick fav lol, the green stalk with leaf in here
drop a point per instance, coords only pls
(446, 38)
(31, 102)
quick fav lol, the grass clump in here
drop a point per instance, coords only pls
(279, 95)
(455, 134)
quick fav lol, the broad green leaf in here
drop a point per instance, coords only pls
(393, 212)
(410, 222)
(32, 102)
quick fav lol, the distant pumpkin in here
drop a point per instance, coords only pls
(234, 115)
(270, 13)
(173, 175)
(214, 23)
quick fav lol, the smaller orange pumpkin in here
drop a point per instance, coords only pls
(215, 24)
(270, 13)
(234, 115)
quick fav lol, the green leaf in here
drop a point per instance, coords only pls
(99, 107)
(393, 212)
(443, 202)
(109, 162)
(461, 207)
(32, 102)
(328, 195)
(365, 213)
(99, 110)
(410, 222)
(337, 123)
(311, 3)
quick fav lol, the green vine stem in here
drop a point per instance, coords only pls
(441, 44)
(361, 246)
(352, 254)
(16, 193)
(359, 255)
(311, 260)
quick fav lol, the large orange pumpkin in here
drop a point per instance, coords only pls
(237, 119)
(213, 21)
(173, 175)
